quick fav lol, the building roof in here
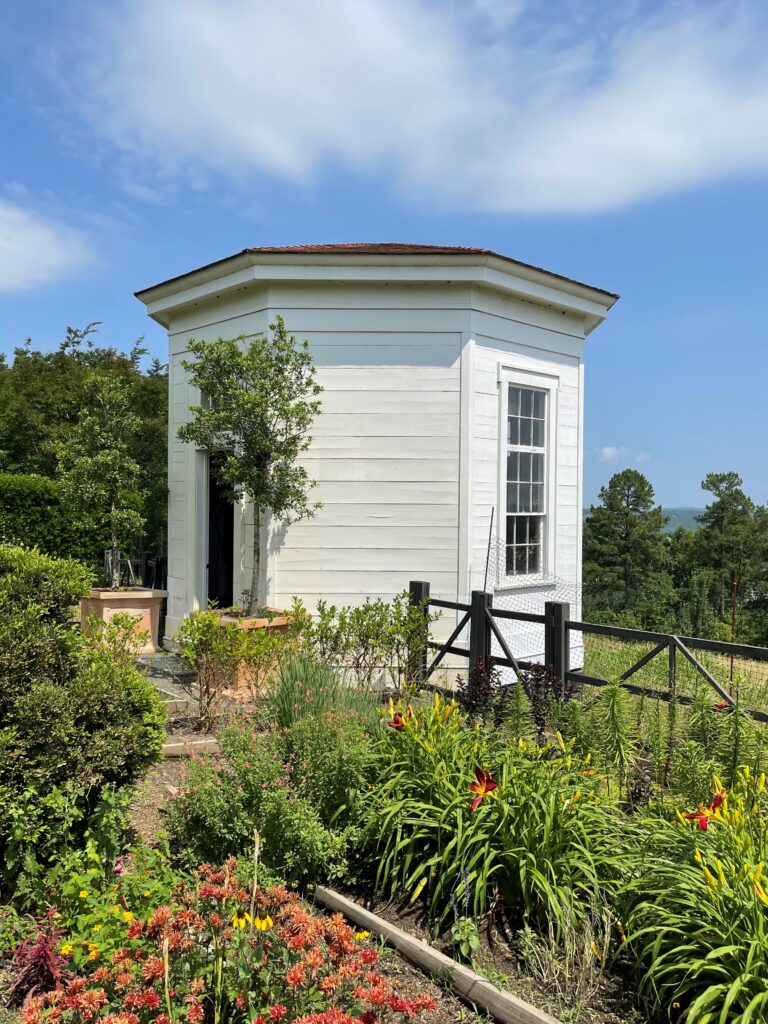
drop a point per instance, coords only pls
(375, 249)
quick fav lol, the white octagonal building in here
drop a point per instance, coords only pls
(452, 417)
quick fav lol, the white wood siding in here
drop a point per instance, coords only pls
(385, 449)
(523, 338)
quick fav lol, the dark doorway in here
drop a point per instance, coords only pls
(221, 540)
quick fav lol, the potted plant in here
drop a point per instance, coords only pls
(100, 480)
(260, 398)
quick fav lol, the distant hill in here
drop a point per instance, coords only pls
(682, 517)
(677, 517)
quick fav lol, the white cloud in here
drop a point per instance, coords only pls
(510, 106)
(612, 453)
(35, 250)
(643, 457)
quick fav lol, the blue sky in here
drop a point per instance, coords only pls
(621, 144)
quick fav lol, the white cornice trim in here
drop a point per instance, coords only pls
(240, 272)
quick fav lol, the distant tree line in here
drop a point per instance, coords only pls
(47, 401)
(711, 582)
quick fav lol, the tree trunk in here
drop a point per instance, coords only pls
(115, 556)
(253, 600)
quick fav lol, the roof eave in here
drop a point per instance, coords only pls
(490, 270)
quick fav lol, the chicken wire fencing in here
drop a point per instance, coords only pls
(526, 639)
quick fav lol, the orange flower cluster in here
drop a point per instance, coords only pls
(186, 964)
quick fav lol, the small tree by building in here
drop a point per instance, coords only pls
(259, 401)
(100, 478)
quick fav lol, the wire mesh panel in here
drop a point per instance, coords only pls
(526, 639)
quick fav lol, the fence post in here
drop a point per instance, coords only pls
(479, 627)
(418, 595)
(556, 640)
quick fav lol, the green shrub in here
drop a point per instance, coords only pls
(33, 513)
(78, 718)
(369, 642)
(329, 758)
(300, 785)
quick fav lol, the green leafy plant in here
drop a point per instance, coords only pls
(616, 732)
(526, 823)
(98, 470)
(260, 400)
(78, 721)
(695, 909)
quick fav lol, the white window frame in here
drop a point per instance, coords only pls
(516, 377)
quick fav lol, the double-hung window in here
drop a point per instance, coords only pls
(526, 480)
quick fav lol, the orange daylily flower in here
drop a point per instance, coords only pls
(482, 786)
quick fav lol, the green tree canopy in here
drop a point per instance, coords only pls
(260, 398)
(625, 555)
(97, 467)
(43, 394)
(731, 541)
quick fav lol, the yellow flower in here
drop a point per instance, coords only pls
(127, 916)
(262, 923)
(93, 955)
(97, 927)
(145, 894)
(92, 946)
(66, 949)
(418, 890)
(117, 909)
(83, 893)
(361, 936)
(240, 919)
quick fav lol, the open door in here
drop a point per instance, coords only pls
(221, 540)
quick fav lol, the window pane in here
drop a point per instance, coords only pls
(537, 498)
(513, 430)
(520, 560)
(512, 499)
(512, 465)
(533, 558)
(510, 567)
(525, 432)
(539, 404)
(526, 402)
(538, 433)
(537, 468)
(534, 529)
(525, 466)
(514, 401)
(525, 498)
(511, 529)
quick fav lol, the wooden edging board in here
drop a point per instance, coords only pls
(185, 748)
(467, 983)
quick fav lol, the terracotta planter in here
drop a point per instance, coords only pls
(142, 603)
(247, 685)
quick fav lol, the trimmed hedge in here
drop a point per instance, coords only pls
(33, 513)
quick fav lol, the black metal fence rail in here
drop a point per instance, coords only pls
(482, 619)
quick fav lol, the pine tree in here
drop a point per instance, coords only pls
(625, 553)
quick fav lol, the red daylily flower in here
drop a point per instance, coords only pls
(702, 815)
(482, 786)
(397, 721)
(721, 705)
